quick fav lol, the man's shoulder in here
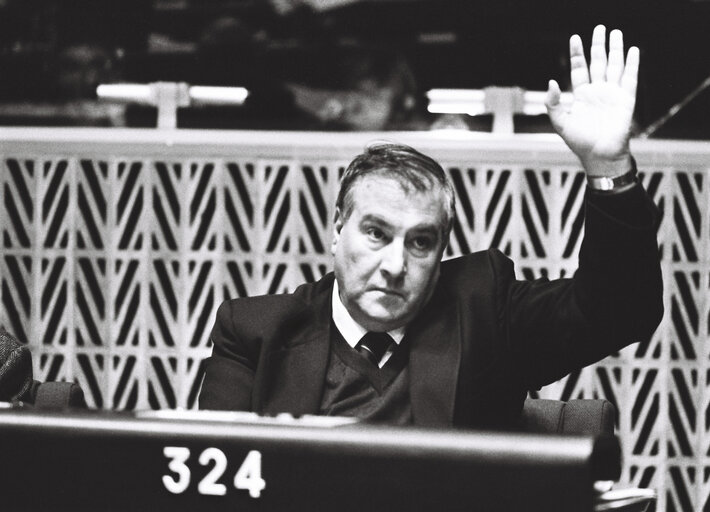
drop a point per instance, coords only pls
(489, 260)
(245, 325)
(480, 271)
(264, 307)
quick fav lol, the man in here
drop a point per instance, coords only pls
(464, 340)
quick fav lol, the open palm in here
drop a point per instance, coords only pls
(597, 125)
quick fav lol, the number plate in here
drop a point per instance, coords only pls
(182, 462)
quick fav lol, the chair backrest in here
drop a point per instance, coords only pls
(575, 417)
(58, 395)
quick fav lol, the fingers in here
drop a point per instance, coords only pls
(615, 67)
(552, 101)
(579, 75)
(611, 69)
(629, 79)
(597, 66)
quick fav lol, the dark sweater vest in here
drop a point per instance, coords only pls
(355, 387)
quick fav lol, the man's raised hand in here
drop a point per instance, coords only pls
(597, 125)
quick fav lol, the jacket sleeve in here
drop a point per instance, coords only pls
(229, 372)
(615, 298)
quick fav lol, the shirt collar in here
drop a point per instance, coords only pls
(349, 328)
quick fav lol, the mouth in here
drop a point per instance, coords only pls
(388, 292)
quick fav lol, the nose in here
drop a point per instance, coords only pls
(393, 264)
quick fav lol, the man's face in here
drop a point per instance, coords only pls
(388, 251)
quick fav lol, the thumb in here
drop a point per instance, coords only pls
(554, 108)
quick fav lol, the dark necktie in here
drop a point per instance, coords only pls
(374, 345)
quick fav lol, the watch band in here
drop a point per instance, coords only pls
(607, 184)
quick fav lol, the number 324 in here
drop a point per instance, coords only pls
(248, 476)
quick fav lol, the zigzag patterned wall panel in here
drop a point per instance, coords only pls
(118, 246)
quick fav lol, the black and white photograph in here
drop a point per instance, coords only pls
(355, 255)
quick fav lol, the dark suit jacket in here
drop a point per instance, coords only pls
(483, 340)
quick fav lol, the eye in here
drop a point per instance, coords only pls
(423, 243)
(375, 233)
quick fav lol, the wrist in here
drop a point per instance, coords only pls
(615, 179)
(608, 167)
(610, 185)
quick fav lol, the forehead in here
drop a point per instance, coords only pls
(398, 202)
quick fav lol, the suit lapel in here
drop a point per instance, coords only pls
(294, 370)
(434, 360)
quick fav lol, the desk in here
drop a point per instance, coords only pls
(240, 462)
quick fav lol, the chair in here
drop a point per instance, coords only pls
(57, 395)
(587, 417)
(17, 384)
(575, 417)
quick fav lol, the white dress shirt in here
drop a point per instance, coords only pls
(353, 331)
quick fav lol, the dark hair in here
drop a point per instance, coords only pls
(403, 163)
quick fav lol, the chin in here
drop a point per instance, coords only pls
(386, 320)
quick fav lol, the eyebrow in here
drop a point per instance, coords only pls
(375, 219)
(425, 228)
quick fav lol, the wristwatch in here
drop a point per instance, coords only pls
(607, 184)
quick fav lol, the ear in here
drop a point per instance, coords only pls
(337, 226)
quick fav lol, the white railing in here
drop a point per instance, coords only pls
(118, 245)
